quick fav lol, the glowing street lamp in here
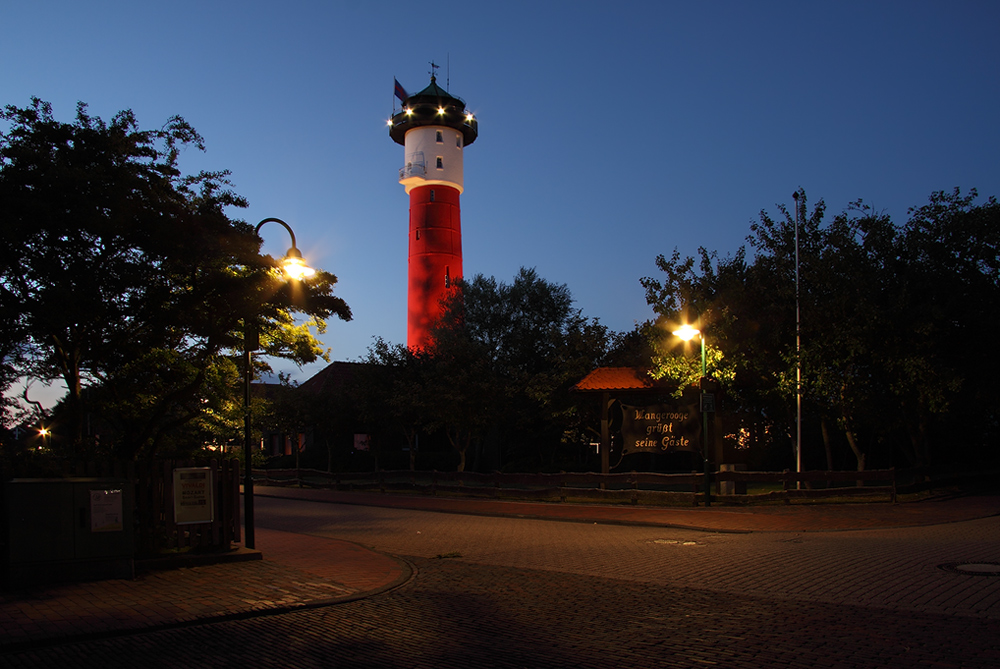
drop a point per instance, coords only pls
(296, 269)
(687, 333)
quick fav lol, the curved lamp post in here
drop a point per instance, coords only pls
(687, 333)
(295, 269)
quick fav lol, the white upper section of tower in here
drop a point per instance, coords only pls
(433, 156)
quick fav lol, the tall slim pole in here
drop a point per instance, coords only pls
(248, 534)
(704, 427)
(798, 351)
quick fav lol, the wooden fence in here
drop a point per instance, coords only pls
(632, 487)
(157, 530)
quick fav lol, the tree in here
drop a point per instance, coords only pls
(391, 390)
(495, 379)
(748, 309)
(890, 317)
(944, 375)
(116, 270)
(509, 354)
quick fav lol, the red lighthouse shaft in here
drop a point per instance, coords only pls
(435, 258)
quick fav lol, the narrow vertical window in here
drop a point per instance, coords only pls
(447, 276)
(458, 139)
(432, 195)
(439, 137)
(440, 163)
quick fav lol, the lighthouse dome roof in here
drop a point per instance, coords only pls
(433, 106)
(435, 93)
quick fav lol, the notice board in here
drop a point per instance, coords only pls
(194, 500)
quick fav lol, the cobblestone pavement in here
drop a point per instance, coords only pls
(508, 592)
(460, 614)
(897, 569)
(298, 570)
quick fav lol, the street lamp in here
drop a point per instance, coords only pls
(687, 333)
(295, 269)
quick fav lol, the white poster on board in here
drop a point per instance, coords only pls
(106, 511)
(193, 495)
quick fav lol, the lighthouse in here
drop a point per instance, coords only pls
(434, 128)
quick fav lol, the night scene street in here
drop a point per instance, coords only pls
(506, 591)
(651, 333)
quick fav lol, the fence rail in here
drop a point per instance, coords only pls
(634, 487)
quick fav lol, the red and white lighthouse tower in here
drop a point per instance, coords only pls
(434, 127)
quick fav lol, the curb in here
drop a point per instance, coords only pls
(180, 561)
(409, 572)
(582, 514)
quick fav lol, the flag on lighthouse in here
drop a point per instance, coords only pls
(400, 91)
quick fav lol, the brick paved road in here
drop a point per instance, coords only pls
(528, 593)
(897, 569)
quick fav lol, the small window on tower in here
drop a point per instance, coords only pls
(458, 139)
(418, 234)
(440, 163)
(432, 195)
(440, 138)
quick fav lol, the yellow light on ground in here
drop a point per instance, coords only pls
(686, 332)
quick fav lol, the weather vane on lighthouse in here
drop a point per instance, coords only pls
(434, 128)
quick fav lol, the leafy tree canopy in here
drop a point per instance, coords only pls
(119, 272)
(497, 373)
(897, 325)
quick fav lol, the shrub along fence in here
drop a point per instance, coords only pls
(631, 487)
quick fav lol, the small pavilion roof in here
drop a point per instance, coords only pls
(605, 379)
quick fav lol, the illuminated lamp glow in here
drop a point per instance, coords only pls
(441, 110)
(686, 332)
(296, 268)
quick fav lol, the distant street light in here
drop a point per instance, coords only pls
(44, 433)
(687, 333)
(295, 269)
